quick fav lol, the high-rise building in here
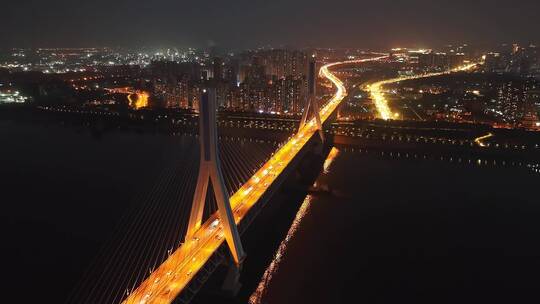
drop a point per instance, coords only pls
(232, 73)
(217, 68)
(294, 92)
(283, 63)
(493, 62)
(439, 61)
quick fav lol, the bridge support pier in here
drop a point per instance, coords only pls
(231, 284)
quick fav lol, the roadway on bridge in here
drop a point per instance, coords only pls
(379, 99)
(165, 283)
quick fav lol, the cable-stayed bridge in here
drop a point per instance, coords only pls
(222, 208)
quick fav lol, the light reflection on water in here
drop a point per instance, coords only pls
(395, 215)
(260, 292)
(532, 166)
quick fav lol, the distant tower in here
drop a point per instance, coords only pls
(210, 169)
(311, 99)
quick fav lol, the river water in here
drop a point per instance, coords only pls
(409, 230)
(69, 197)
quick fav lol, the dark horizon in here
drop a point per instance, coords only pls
(246, 24)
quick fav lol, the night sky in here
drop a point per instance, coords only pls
(252, 23)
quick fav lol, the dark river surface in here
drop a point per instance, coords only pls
(393, 230)
(405, 230)
(62, 195)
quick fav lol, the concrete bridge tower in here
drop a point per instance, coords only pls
(210, 170)
(311, 109)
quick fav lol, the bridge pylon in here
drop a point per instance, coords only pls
(210, 170)
(312, 109)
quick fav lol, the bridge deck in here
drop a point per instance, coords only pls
(170, 278)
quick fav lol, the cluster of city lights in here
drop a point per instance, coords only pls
(138, 100)
(10, 96)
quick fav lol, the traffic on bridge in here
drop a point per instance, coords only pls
(165, 283)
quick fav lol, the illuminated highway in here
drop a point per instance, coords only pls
(480, 140)
(137, 99)
(165, 283)
(380, 101)
(140, 102)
